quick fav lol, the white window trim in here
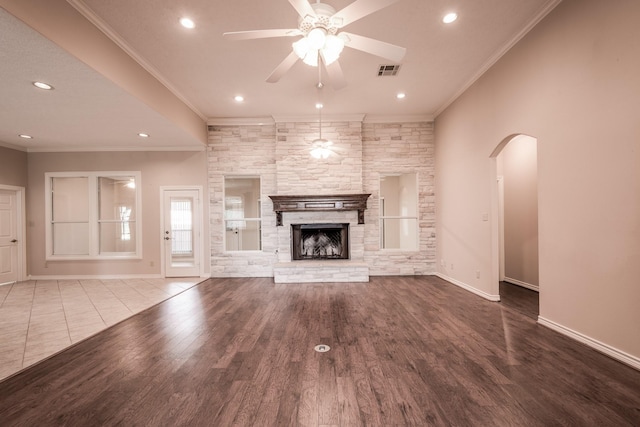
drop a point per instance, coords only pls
(94, 241)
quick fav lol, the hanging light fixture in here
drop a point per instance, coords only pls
(320, 147)
(322, 39)
(319, 36)
(318, 43)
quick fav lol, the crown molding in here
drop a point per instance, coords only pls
(408, 118)
(13, 147)
(310, 118)
(307, 118)
(112, 148)
(240, 121)
(99, 23)
(544, 11)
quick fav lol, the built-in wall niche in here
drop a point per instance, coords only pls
(399, 211)
(242, 214)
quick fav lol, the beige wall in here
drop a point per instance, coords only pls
(13, 167)
(519, 171)
(573, 83)
(157, 169)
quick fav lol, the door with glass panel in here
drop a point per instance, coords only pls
(181, 233)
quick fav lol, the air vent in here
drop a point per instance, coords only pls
(388, 70)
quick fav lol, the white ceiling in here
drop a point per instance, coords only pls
(88, 112)
(85, 111)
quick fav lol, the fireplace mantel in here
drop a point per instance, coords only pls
(318, 203)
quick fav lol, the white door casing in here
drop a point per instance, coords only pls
(182, 231)
(11, 234)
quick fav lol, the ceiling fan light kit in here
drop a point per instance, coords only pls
(329, 47)
(321, 149)
(319, 25)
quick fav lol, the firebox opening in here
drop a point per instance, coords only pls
(319, 241)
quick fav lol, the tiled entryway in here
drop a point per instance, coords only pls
(40, 318)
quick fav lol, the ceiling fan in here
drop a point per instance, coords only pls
(322, 39)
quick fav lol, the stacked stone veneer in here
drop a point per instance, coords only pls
(390, 148)
(242, 151)
(279, 154)
(298, 173)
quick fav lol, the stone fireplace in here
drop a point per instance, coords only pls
(320, 238)
(319, 241)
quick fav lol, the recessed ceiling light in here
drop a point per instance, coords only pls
(450, 17)
(143, 135)
(22, 135)
(239, 98)
(42, 85)
(187, 23)
(400, 95)
(319, 105)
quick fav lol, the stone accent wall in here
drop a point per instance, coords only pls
(242, 151)
(390, 148)
(279, 154)
(298, 173)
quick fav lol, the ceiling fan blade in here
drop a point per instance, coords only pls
(359, 9)
(336, 77)
(302, 7)
(261, 34)
(284, 66)
(375, 47)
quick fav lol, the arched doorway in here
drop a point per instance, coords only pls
(516, 217)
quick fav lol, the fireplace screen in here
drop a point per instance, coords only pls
(319, 241)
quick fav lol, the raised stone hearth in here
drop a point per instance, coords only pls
(320, 271)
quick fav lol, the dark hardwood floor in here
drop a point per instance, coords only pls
(522, 300)
(404, 351)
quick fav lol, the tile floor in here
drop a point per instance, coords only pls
(40, 318)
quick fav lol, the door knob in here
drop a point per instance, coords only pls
(167, 238)
(14, 241)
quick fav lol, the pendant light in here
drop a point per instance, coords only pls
(320, 146)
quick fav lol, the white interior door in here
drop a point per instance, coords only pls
(181, 234)
(9, 245)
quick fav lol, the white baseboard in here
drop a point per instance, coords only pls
(97, 276)
(522, 284)
(612, 352)
(468, 287)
